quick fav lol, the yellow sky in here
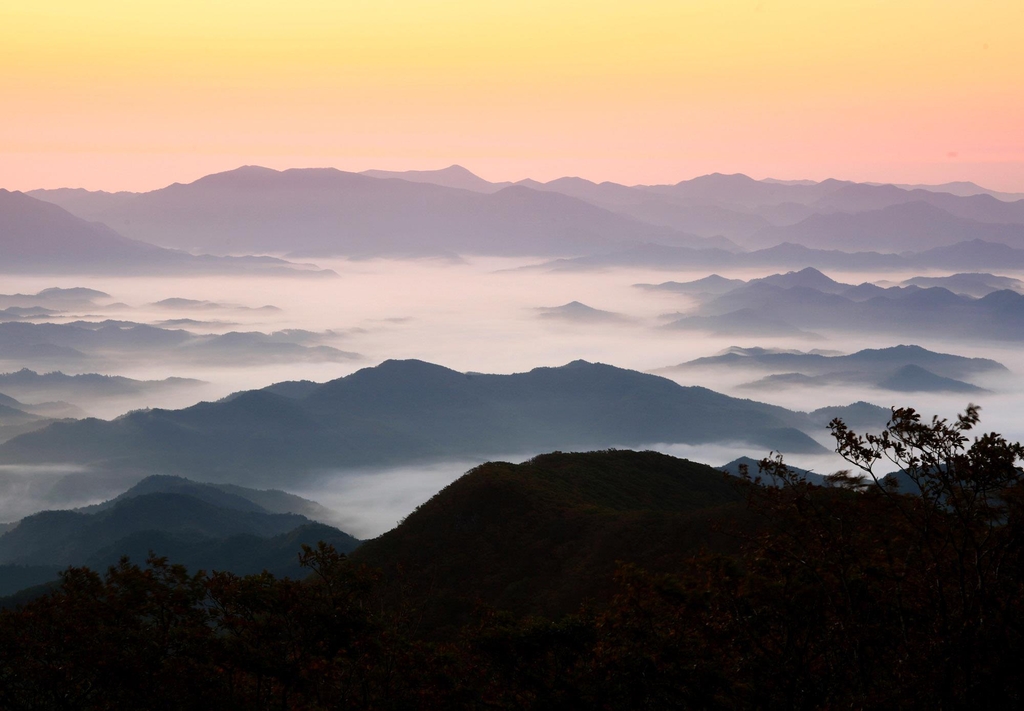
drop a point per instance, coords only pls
(119, 94)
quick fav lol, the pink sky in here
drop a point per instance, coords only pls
(110, 94)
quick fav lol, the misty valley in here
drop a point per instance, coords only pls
(503, 413)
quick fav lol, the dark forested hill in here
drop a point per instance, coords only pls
(544, 536)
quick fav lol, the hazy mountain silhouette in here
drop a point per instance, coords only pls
(859, 197)
(753, 470)
(38, 410)
(224, 495)
(63, 537)
(454, 176)
(55, 298)
(327, 211)
(971, 284)
(913, 226)
(37, 236)
(29, 384)
(87, 204)
(809, 278)
(871, 364)
(905, 310)
(973, 254)
(82, 341)
(712, 285)
(963, 188)
(203, 526)
(575, 312)
(909, 378)
(705, 220)
(914, 378)
(742, 191)
(404, 411)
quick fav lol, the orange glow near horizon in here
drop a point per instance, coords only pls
(112, 94)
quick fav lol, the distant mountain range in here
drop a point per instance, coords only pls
(900, 368)
(331, 212)
(74, 344)
(83, 388)
(38, 236)
(404, 411)
(972, 254)
(903, 226)
(809, 301)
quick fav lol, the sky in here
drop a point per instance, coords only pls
(129, 95)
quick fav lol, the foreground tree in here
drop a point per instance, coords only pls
(904, 588)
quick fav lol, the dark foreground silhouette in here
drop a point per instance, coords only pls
(855, 594)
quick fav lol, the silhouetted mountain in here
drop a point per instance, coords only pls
(859, 416)
(37, 236)
(742, 191)
(78, 388)
(14, 578)
(909, 378)
(454, 176)
(809, 278)
(933, 312)
(241, 554)
(55, 298)
(64, 537)
(39, 409)
(972, 254)
(963, 188)
(87, 204)
(914, 378)
(326, 211)
(543, 536)
(11, 412)
(705, 220)
(227, 496)
(203, 526)
(79, 341)
(711, 285)
(859, 197)
(753, 470)
(575, 312)
(872, 363)
(974, 284)
(712, 206)
(914, 226)
(404, 411)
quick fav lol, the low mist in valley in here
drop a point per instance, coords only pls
(472, 315)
